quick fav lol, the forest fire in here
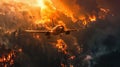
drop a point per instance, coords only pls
(8, 59)
(66, 56)
(49, 11)
(8, 56)
(92, 18)
(44, 15)
(61, 46)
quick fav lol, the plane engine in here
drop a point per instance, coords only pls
(47, 33)
(67, 32)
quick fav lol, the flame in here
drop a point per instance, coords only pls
(89, 19)
(61, 46)
(92, 18)
(46, 11)
(104, 12)
(42, 4)
(37, 12)
(9, 58)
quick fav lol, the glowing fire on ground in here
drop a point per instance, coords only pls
(61, 46)
(8, 56)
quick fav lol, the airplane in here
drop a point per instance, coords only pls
(57, 30)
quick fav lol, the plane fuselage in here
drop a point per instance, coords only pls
(58, 30)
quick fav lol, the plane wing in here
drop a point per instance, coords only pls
(36, 31)
(73, 30)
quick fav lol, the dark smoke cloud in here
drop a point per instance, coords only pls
(88, 6)
(104, 38)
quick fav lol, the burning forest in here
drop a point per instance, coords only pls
(93, 39)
